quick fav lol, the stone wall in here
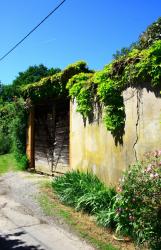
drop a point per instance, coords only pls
(93, 148)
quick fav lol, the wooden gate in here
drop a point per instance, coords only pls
(52, 137)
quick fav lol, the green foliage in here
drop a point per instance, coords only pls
(109, 93)
(146, 39)
(106, 218)
(81, 88)
(149, 67)
(5, 142)
(152, 33)
(83, 191)
(8, 163)
(53, 86)
(138, 203)
(124, 51)
(74, 69)
(134, 211)
(33, 74)
(105, 87)
(18, 132)
(7, 93)
(13, 119)
(135, 68)
(47, 87)
(6, 114)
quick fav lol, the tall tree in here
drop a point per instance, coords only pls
(33, 74)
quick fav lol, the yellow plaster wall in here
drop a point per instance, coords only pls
(93, 148)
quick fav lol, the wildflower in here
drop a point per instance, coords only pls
(149, 168)
(156, 175)
(119, 189)
(159, 152)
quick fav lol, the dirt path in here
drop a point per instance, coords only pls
(22, 222)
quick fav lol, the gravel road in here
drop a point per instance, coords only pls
(22, 222)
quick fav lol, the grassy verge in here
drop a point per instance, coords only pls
(83, 224)
(7, 163)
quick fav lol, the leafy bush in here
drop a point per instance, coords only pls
(18, 128)
(5, 143)
(134, 211)
(138, 203)
(84, 191)
(13, 123)
(6, 116)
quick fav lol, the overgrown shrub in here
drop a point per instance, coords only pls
(13, 123)
(5, 143)
(6, 116)
(84, 191)
(138, 203)
(18, 128)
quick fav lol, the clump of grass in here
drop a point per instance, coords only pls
(81, 223)
(84, 191)
(8, 162)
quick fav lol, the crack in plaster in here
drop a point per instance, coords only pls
(138, 96)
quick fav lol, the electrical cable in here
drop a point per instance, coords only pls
(16, 45)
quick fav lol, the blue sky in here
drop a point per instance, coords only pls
(90, 30)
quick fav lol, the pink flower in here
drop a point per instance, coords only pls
(159, 152)
(156, 175)
(149, 168)
(119, 189)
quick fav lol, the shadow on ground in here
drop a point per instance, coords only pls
(11, 241)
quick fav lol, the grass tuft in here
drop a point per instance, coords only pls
(85, 192)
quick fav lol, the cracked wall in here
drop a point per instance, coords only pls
(93, 148)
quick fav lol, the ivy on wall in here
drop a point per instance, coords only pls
(140, 65)
(53, 86)
(81, 88)
(107, 86)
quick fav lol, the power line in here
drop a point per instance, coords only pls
(16, 45)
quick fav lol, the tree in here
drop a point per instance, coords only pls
(7, 92)
(33, 74)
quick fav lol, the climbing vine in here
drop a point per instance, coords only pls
(138, 67)
(80, 87)
(53, 86)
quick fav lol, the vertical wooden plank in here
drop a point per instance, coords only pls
(70, 129)
(30, 139)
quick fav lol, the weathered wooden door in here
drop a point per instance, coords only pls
(52, 137)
